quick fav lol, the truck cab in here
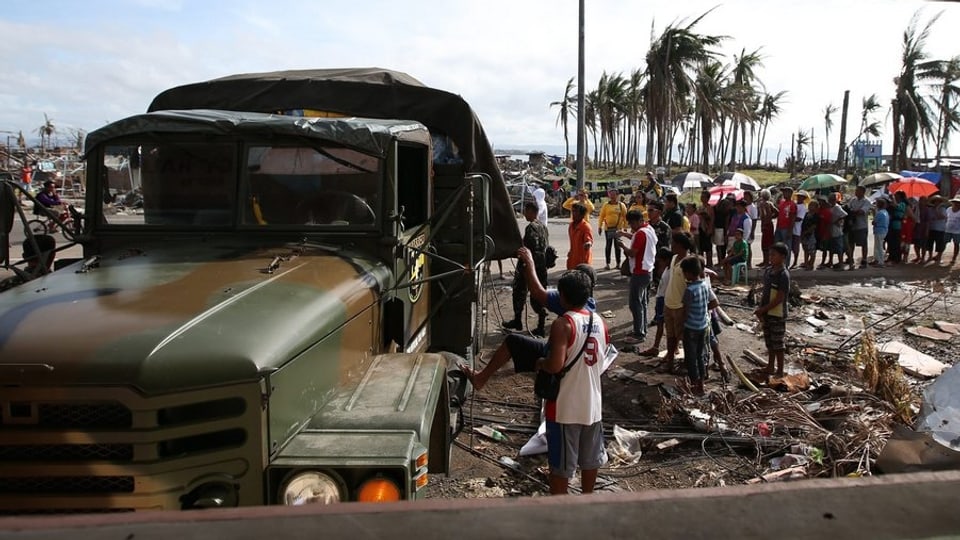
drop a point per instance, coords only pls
(252, 321)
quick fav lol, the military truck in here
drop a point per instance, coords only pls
(276, 320)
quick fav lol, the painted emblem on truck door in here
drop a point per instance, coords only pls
(416, 263)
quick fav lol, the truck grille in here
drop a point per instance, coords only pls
(67, 452)
(85, 415)
(67, 484)
(110, 415)
(78, 450)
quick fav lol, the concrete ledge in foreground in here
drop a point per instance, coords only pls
(898, 506)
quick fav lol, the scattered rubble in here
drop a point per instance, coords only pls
(854, 380)
(913, 361)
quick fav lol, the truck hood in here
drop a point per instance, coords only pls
(189, 315)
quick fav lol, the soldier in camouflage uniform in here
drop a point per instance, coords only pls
(536, 239)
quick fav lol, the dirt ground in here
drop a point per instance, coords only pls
(885, 300)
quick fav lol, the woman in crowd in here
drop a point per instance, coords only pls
(909, 229)
(921, 229)
(898, 212)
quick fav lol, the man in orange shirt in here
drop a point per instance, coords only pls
(581, 238)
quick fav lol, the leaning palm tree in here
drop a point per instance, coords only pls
(949, 96)
(912, 114)
(671, 62)
(769, 109)
(566, 105)
(828, 113)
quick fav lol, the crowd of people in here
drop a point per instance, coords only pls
(659, 245)
(676, 252)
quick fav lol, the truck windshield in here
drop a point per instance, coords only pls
(169, 184)
(310, 186)
(194, 185)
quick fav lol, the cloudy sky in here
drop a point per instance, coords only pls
(91, 62)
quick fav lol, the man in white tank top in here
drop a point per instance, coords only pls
(574, 428)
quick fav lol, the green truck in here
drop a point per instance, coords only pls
(270, 313)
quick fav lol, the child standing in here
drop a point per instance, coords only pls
(673, 319)
(696, 317)
(808, 235)
(773, 307)
(660, 264)
(578, 342)
(881, 226)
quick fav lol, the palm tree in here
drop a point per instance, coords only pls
(949, 119)
(590, 121)
(566, 105)
(671, 61)
(799, 157)
(611, 92)
(46, 131)
(633, 109)
(869, 105)
(769, 109)
(828, 113)
(709, 106)
(744, 75)
(912, 115)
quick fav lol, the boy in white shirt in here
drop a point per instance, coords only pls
(578, 343)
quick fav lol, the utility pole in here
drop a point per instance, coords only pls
(898, 165)
(581, 114)
(841, 152)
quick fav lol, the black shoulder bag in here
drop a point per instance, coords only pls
(547, 385)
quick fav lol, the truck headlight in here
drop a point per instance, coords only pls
(310, 487)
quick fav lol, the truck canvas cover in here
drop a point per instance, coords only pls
(364, 92)
(371, 137)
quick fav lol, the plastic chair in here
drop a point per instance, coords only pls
(737, 270)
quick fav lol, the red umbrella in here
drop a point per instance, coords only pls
(719, 192)
(914, 187)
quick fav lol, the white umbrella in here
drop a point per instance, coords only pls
(738, 180)
(691, 180)
(879, 178)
